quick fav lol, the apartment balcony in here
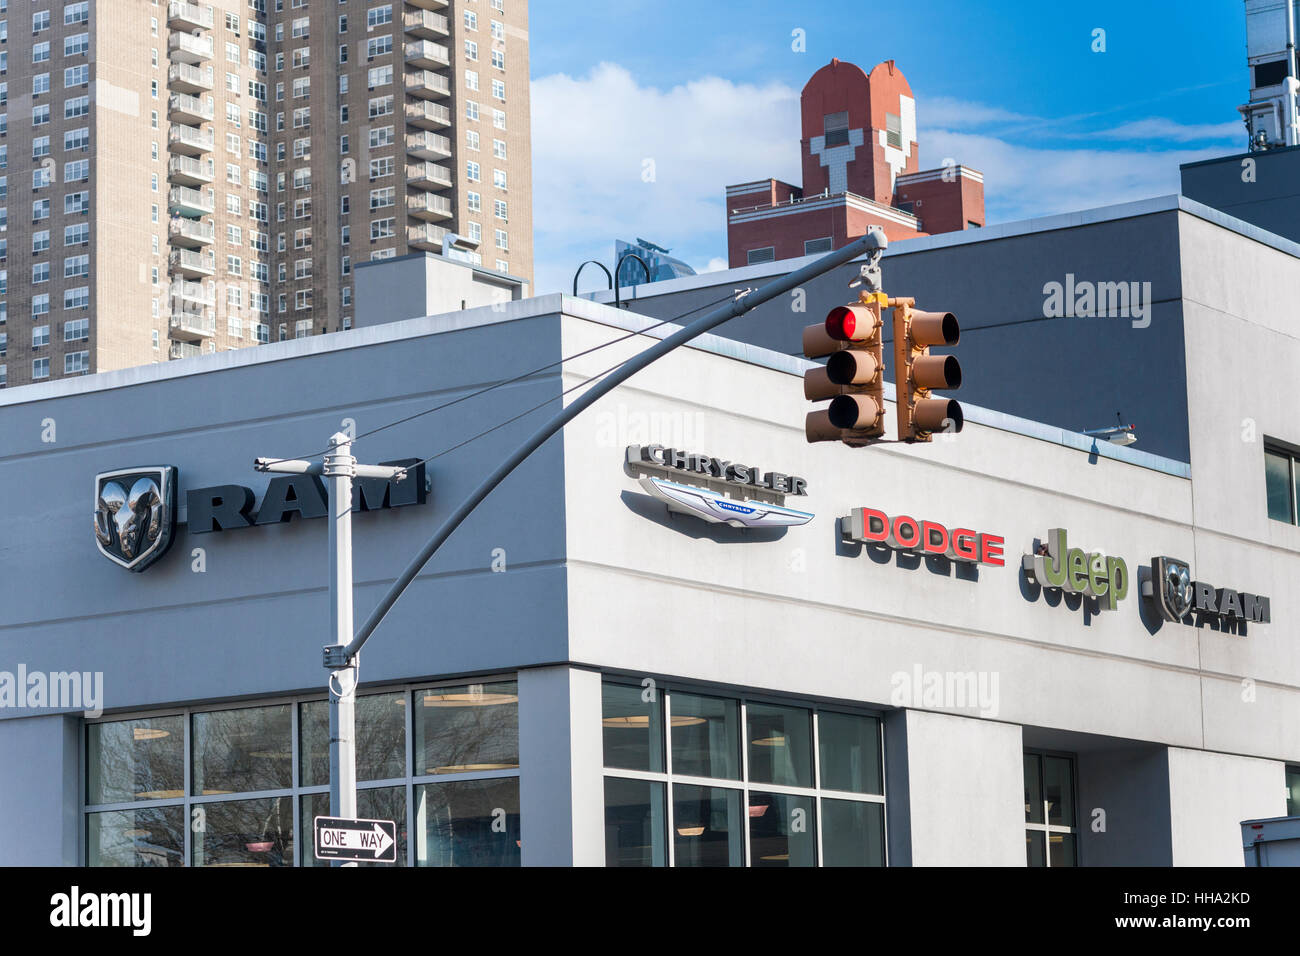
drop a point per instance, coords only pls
(192, 265)
(425, 236)
(187, 171)
(191, 326)
(184, 78)
(426, 24)
(188, 16)
(189, 141)
(428, 115)
(183, 201)
(190, 297)
(428, 145)
(190, 233)
(187, 48)
(429, 206)
(183, 108)
(183, 350)
(428, 4)
(427, 85)
(426, 55)
(428, 176)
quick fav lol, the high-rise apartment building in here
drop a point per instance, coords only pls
(178, 178)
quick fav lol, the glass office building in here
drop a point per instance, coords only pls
(657, 261)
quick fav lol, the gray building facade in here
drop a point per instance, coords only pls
(1260, 187)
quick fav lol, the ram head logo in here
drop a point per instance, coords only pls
(1172, 580)
(135, 514)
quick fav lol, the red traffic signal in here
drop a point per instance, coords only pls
(852, 378)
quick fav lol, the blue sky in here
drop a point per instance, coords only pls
(643, 112)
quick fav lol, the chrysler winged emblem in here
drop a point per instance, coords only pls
(717, 508)
(135, 514)
(1172, 583)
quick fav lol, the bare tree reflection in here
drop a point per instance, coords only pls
(381, 739)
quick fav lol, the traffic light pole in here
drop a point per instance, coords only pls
(870, 242)
(340, 468)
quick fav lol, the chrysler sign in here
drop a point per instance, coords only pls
(716, 489)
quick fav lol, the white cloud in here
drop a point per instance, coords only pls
(1022, 182)
(616, 159)
(949, 113)
(1159, 128)
(598, 139)
(716, 264)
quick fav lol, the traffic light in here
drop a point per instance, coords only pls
(916, 371)
(852, 377)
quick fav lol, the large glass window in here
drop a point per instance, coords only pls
(244, 833)
(803, 787)
(242, 750)
(706, 736)
(1050, 827)
(1282, 480)
(635, 827)
(707, 828)
(470, 823)
(146, 836)
(381, 738)
(844, 823)
(1293, 791)
(467, 727)
(132, 760)
(780, 745)
(633, 727)
(440, 761)
(783, 829)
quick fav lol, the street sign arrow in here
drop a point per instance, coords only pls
(344, 839)
(382, 841)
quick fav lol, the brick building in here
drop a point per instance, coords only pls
(860, 168)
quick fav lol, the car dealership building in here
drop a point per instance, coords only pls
(678, 634)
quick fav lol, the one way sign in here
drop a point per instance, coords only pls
(373, 841)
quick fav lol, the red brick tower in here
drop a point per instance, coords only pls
(860, 168)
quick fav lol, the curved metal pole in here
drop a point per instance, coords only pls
(870, 242)
(619, 268)
(584, 265)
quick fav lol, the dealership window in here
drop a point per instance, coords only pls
(240, 785)
(1051, 834)
(703, 780)
(1282, 480)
